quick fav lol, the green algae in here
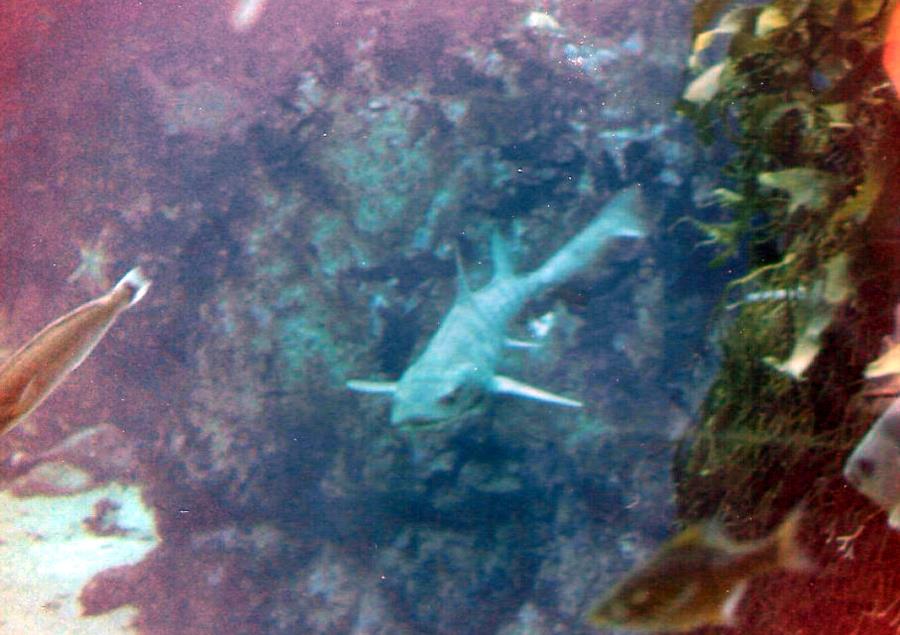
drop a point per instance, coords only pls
(798, 186)
(803, 100)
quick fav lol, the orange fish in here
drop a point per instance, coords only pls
(891, 58)
(697, 579)
(32, 372)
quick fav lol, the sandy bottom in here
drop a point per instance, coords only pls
(47, 555)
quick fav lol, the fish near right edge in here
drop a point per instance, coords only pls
(37, 368)
(873, 467)
(698, 578)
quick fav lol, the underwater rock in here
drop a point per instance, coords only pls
(229, 572)
(528, 621)
(52, 479)
(82, 461)
(103, 450)
(330, 594)
(202, 109)
(334, 595)
(441, 577)
(55, 554)
(110, 589)
(484, 479)
(389, 172)
(245, 443)
(329, 246)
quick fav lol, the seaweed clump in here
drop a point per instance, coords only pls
(809, 196)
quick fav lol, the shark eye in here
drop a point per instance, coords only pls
(451, 397)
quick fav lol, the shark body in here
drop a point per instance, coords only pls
(455, 374)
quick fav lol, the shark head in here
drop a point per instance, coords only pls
(425, 398)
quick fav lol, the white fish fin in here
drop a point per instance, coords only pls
(790, 554)
(512, 343)
(136, 281)
(375, 387)
(894, 518)
(501, 255)
(509, 386)
(729, 608)
(714, 535)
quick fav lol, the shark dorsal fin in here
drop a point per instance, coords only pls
(501, 255)
(377, 387)
(508, 386)
(463, 290)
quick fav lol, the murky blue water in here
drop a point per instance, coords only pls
(311, 188)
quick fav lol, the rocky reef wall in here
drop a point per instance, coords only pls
(304, 234)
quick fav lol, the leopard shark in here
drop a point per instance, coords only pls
(456, 373)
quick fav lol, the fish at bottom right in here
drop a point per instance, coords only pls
(697, 578)
(873, 467)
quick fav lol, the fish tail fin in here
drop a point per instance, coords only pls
(791, 554)
(621, 217)
(136, 283)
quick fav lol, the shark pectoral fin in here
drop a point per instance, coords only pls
(509, 386)
(378, 387)
(511, 343)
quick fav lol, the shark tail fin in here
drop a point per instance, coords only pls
(621, 217)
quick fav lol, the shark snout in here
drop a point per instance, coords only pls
(414, 421)
(399, 418)
(402, 415)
